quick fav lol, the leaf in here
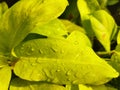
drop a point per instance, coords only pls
(104, 27)
(5, 77)
(72, 87)
(71, 26)
(101, 33)
(112, 2)
(103, 87)
(19, 84)
(23, 17)
(107, 21)
(85, 68)
(84, 87)
(3, 8)
(3, 61)
(115, 59)
(54, 28)
(87, 7)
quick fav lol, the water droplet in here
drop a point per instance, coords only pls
(58, 70)
(55, 80)
(40, 51)
(32, 49)
(75, 82)
(28, 53)
(33, 64)
(68, 73)
(76, 42)
(48, 79)
(53, 49)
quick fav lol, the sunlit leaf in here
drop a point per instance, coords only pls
(54, 28)
(83, 67)
(19, 84)
(84, 87)
(23, 17)
(5, 77)
(104, 27)
(87, 7)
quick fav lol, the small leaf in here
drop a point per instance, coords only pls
(72, 87)
(115, 59)
(3, 8)
(19, 84)
(23, 17)
(108, 22)
(84, 87)
(101, 33)
(112, 2)
(54, 28)
(5, 77)
(87, 7)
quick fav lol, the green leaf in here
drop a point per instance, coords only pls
(103, 87)
(107, 21)
(81, 65)
(3, 61)
(104, 27)
(72, 87)
(84, 87)
(5, 77)
(3, 8)
(71, 26)
(87, 7)
(54, 28)
(19, 84)
(23, 17)
(112, 2)
(101, 33)
(115, 59)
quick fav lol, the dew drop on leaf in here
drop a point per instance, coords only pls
(58, 70)
(68, 73)
(32, 49)
(40, 51)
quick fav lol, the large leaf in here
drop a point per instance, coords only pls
(24, 16)
(64, 71)
(86, 68)
(5, 77)
(47, 47)
(54, 28)
(19, 84)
